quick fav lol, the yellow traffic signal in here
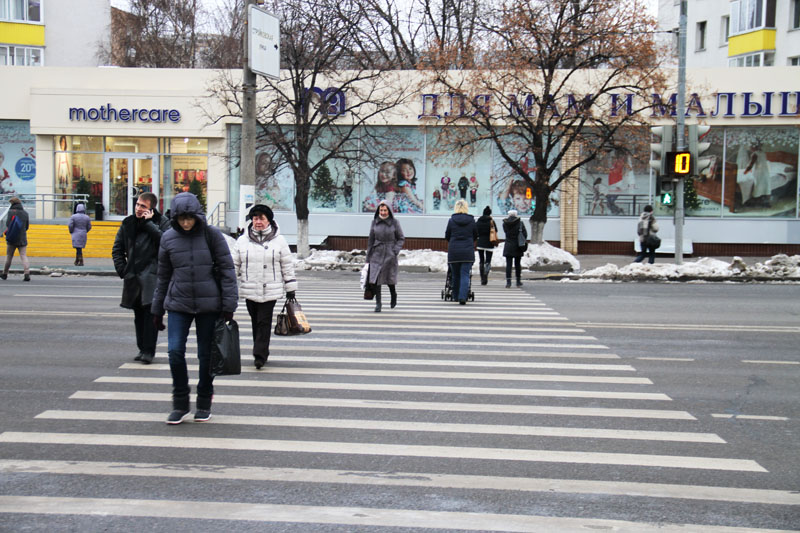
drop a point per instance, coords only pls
(528, 194)
(680, 163)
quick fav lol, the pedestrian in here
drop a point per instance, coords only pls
(514, 228)
(486, 247)
(190, 254)
(16, 234)
(385, 241)
(135, 255)
(461, 234)
(79, 226)
(646, 226)
(265, 269)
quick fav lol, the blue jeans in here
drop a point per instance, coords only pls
(177, 333)
(460, 273)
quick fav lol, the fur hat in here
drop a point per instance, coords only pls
(261, 209)
(512, 212)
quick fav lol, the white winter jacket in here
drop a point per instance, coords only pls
(264, 270)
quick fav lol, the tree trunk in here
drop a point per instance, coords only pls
(537, 231)
(303, 249)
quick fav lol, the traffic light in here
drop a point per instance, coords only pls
(697, 147)
(680, 164)
(668, 198)
(660, 148)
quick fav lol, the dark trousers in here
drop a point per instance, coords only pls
(146, 332)
(517, 266)
(177, 332)
(460, 279)
(485, 257)
(647, 251)
(261, 319)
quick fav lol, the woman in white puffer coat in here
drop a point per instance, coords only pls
(265, 269)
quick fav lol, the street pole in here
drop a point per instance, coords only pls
(681, 136)
(247, 163)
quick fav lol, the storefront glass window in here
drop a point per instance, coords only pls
(703, 195)
(617, 183)
(146, 145)
(17, 158)
(332, 183)
(184, 173)
(274, 180)
(394, 170)
(79, 173)
(760, 172)
(188, 145)
(459, 174)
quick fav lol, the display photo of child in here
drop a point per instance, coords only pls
(385, 188)
(407, 200)
(515, 196)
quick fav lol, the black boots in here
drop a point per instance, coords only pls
(508, 283)
(378, 299)
(393, 294)
(203, 411)
(180, 409)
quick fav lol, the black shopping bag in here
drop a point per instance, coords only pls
(226, 357)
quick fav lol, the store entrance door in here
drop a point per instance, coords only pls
(125, 177)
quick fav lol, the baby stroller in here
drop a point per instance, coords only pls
(447, 292)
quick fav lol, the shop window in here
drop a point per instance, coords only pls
(760, 172)
(187, 145)
(136, 145)
(617, 183)
(17, 158)
(184, 173)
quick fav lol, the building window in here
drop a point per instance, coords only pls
(725, 29)
(700, 39)
(795, 14)
(21, 56)
(749, 15)
(766, 59)
(21, 10)
(794, 61)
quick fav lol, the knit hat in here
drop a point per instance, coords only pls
(487, 211)
(261, 209)
(512, 212)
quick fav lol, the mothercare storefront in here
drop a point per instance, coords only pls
(110, 134)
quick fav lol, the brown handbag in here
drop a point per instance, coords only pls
(292, 320)
(493, 238)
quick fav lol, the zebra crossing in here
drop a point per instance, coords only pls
(500, 415)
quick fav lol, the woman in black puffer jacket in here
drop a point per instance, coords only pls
(187, 289)
(515, 233)
(485, 224)
(460, 235)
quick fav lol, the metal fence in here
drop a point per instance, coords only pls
(44, 206)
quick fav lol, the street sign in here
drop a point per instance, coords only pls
(264, 42)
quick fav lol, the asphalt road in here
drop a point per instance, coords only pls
(555, 407)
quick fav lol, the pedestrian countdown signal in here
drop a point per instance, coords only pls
(679, 164)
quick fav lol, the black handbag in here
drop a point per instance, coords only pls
(652, 241)
(522, 242)
(291, 320)
(226, 359)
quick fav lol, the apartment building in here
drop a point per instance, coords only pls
(56, 33)
(735, 33)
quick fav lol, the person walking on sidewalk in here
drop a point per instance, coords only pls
(385, 241)
(485, 225)
(79, 226)
(461, 234)
(265, 269)
(135, 255)
(646, 227)
(16, 234)
(516, 235)
(190, 253)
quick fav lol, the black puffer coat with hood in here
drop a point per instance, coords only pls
(185, 283)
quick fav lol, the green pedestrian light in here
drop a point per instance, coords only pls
(667, 198)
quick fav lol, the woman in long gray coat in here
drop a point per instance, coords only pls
(385, 242)
(79, 226)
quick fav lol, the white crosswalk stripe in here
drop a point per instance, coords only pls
(459, 401)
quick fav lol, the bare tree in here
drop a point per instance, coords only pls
(552, 77)
(154, 34)
(327, 95)
(221, 44)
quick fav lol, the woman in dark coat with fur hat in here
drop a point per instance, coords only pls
(188, 290)
(385, 241)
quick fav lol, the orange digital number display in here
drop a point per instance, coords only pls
(683, 163)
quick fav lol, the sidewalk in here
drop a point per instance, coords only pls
(104, 266)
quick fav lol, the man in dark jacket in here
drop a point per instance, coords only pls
(191, 251)
(18, 241)
(135, 255)
(460, 235)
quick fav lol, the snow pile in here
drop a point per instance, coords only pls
(778, 267)
(544, 257)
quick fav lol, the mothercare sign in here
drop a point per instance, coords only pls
(108, 113)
